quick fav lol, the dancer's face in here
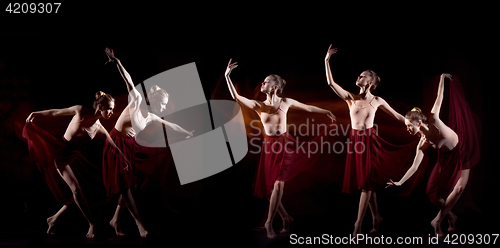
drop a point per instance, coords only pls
(106, 109)
(269, 85)
(413, 127)
(159, 105)
(364, 79)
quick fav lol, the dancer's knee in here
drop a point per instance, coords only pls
(278, 185)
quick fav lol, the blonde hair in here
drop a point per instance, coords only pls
(281, 83)
(101, 97)
(416, 114)
(157, 93)
(376, 79)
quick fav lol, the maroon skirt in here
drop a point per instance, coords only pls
(445, 174)
(116, 177)
(371, 162)
(282, 158)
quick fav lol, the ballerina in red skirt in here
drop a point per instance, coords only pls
(134, 119)
(278, 162)
(458, 150)
(371, 161)
(56, 156)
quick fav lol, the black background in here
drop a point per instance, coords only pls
(57, 60)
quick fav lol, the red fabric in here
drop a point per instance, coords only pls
(371, 162)
(151, 164)
(116, 178)
(47, 151)
(465, 155)
(282, 158)
(445, 174)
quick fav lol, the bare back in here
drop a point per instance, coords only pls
(441, 136)
(273, 117)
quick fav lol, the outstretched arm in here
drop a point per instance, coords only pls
(252, 104)
(55, 112)
(309, 108)
(103, 131)
(171, 126)
(388, 109)
(421, 147)
(436, 109)
(335, 87)
(134, 94)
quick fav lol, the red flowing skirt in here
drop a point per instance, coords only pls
(116, 177)
(371, 162)
(445, 174)
(48, 151)
(282, 158)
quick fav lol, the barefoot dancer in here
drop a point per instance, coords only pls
(457, 147)
(277, 162)
(369, 157)
(132, 120)
(53, 154)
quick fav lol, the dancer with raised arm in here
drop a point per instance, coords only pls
(55, 156)
(134, 118)
(458, 150)
(278, 163)
(369, 158)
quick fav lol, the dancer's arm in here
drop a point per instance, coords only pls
(419, 156)
(103, 131)
(309, 108)
(252, 104)
(389, 110)
(73, 110)
(134, 94)
(436, 109)
(346, 95)
(170, 125)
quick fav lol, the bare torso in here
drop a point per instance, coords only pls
(440, 136)
(82, 127)
(273, 117)
(129, 126)
(362, 112)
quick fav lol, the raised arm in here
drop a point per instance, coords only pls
(436, 109)
(252, 104)
(134, 94)
(388, 109)
(309, 108)
(346, 95)
(73, 110)
(419, 156)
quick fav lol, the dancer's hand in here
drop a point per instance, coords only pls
(331, 116)
(190, 134)
(330, 52)
(30, 117)
(446, 75)
(111, 55)
(230, 67)
(392, 183)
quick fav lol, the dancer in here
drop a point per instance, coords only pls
(369, 158)
(278, 163)
(133, 119)
(457, 146)
(53, 154)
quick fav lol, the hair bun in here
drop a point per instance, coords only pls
(154, 88)
(99, 94)
(416, 109)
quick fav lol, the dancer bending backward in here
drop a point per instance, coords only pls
(378, 159)
(118, 178)
(50, 152)
(278, 163)
(457, 150)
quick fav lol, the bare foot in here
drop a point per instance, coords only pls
(270, 231)
(142, 231)
(376, 224)
(357, 229)
(51, 222)
(113, 223)
(286, 224)
(451, 222)
(90, 233)
(437, 227)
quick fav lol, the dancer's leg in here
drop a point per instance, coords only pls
(52, 219)
(274, 203)
(115, 221)
(377, 219)
(449, 203)
(287, 220)
(364, 199)
(129, 200)
(69, 177)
